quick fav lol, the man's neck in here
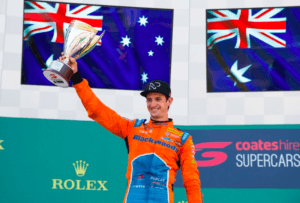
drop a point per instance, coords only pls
(162, 119)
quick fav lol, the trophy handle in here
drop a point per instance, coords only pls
(91, 45)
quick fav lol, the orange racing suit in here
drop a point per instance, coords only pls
(156, 151)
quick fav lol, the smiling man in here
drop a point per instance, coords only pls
(156, 150)
(158, 95)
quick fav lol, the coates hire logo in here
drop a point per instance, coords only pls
(217, 156)
(251, 153)
(80, 170)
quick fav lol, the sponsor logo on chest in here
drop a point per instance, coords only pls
(158, 142)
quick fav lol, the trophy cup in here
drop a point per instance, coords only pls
(80, 39)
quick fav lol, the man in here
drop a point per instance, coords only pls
(156, 149)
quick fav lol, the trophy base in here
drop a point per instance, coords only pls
(59, 73)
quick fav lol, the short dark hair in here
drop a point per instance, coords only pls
(167, 100)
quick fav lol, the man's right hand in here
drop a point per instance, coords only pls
(72, 62)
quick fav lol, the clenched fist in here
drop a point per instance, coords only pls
(72, 62)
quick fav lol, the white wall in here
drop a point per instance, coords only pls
(192, 105)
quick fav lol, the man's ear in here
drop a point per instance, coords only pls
(170, 100)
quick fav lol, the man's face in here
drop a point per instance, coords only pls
(157, 105)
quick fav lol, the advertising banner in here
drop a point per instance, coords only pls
(247, 158)
(60, 161)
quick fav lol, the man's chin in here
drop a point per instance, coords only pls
(155, 116)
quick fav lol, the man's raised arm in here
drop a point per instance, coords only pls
(96, 110)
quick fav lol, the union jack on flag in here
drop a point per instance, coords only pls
(262, 25)
(42, 17)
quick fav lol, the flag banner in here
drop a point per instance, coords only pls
(247, 158)
(135, 49)
(253, 49)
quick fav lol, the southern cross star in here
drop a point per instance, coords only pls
(150, 53)
(125, 41)
(144, 77)
(159, 40)
(143, 21)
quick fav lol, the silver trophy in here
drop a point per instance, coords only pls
(80, 39)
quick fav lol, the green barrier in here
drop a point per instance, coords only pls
(37, 157)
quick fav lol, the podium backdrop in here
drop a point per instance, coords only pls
(37, 157)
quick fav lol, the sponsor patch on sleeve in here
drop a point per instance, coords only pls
(184, 137)
(138, 122)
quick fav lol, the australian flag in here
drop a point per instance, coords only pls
(135, 49)
(253, 49)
